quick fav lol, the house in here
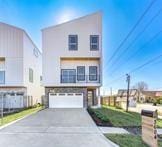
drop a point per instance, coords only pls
(72, 62)
(121, 99)
(150, 96)
(20, 65)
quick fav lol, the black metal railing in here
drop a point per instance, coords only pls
(80, 78)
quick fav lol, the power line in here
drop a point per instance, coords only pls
(131, 57)
(139, 67)
(146, 63)
(132, 30)
(137, 36)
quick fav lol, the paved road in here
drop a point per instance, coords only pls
(54, 128)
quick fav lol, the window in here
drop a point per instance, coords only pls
(35, 52)
(73, 42)
(2, 70)
(93, 73)
(2, 77)
(68, 76)
(94, 42)
(30, 75)
(41, 78)
(80, 73)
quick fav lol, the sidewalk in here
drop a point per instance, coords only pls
(116, 130)
(113, 130)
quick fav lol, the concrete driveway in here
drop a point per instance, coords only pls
(54, 128)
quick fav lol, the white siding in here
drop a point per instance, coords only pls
(11, 48)
(55, 45)
(17, 49)
(31, 61)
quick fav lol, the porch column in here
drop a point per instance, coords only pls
(99, 98)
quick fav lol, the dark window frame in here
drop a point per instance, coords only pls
(80, 74)
(72, 75)
(76, 44)
(4, 76)
(92, 75)
(91, 43)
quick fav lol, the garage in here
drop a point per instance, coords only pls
(65, 100)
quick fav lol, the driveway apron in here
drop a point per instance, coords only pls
(54, 128)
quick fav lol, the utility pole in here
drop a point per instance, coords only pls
(128, 81)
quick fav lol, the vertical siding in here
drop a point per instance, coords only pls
(10, 41)
(11, 48)
(35, 63)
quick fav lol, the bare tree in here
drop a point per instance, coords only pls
(141, 86)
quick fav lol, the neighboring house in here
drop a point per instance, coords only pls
(72, 62)
(122, 97)
(20, 64)
(150, 96)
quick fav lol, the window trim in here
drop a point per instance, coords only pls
(91, 49)
(93, 74)
(80, 74)
(73, 75)
(73, 43)
(4, 76)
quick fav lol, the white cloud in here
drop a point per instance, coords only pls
(65, 15)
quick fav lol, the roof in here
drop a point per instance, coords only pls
(22, 31)
(123, 92)
(98, 12)
(152, 93)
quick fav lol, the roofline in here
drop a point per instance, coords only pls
(24, 32)
(126, 89)
(97, 12)
(151, 91)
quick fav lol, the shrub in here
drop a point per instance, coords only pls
(102, 117)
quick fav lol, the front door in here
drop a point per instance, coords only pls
(90, 97)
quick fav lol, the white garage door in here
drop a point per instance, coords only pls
(65, 100)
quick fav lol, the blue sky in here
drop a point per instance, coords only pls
(119, 16)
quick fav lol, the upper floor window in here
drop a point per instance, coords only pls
(73, 42)
(80, 73)
(2, 77)
(31, 75)
(93, 73)
(94, 42)
(68, 76)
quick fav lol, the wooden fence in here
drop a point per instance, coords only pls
(108, 101)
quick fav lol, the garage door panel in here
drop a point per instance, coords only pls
(66, 100)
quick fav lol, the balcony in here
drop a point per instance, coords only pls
(80, 78)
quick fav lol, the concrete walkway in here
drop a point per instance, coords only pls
(113, 130)
(159, 131)
(54, 128)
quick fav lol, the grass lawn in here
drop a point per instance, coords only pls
(120, 118)
(159, 123)
(126, 140)
(15, 116)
